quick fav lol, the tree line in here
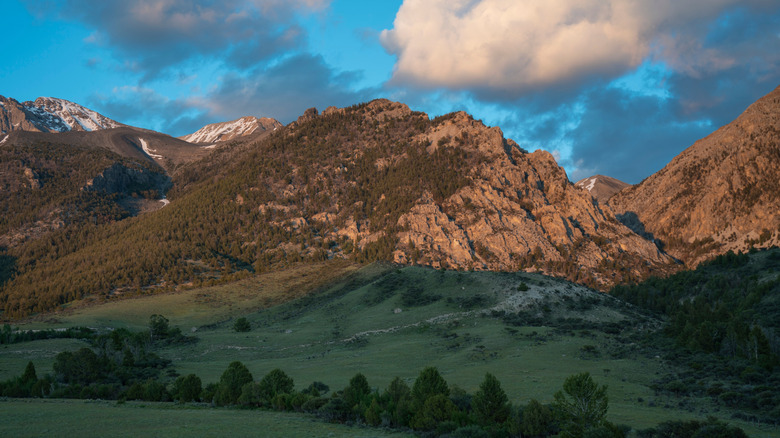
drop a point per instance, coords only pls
(723, 321)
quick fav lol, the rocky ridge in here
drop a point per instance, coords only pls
(513, 210)
(720, 194)
(48, 114)
(225, 131)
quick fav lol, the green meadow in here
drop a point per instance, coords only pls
(67, 418)
(528, 330)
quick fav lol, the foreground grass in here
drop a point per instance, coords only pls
(76, 418)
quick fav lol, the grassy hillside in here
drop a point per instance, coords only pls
(530, 331)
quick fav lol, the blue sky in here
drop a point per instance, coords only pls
(616, 87)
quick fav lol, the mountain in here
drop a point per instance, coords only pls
(374, 181)
(601, 187)
(720, 194)
(48, 114)
(127, 141)
(221, 132)
(48, 186)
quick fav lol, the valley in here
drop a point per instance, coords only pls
(386, 321)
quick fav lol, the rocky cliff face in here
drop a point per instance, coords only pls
(519, 211)
(498, 208)
(720, 194)
(119, 178)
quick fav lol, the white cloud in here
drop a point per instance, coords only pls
(514, 46)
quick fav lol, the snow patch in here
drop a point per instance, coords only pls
(591, 184)
(149, 152)
(164, 202)
(62, 115)
(4, 139)
(224, 131)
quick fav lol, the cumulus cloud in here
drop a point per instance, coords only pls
(502, 49)
(156, 34)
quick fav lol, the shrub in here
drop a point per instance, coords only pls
(242, 325)
(187, 388)
(231, 384)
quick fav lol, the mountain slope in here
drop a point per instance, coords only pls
(720, 194)
(220, 132)
(371, 182)
(48, 114)
(48, 186)
(601, 187)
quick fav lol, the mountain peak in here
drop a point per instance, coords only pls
(601, 187)
(49, 114)
(224, 131)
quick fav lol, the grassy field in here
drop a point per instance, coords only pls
(196, 307)
(85, 419)
(385, 322)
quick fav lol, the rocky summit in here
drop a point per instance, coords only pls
(48, 114)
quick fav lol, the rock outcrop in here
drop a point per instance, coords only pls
(119, 178)
(519, 211)
(508, 209)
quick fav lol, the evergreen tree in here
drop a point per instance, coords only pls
(399, 399)
(428, 384)
(490, 403)
(356, 395)
(582, 405)
(536, 420)
(29, 377)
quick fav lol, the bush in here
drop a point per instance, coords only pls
(231, 384)
(274, 383)
(416, 296)
(242, 325)
(187, 388)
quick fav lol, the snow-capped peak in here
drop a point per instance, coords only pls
(62, 115)
(217, 132)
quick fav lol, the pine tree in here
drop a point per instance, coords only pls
(490, 403)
